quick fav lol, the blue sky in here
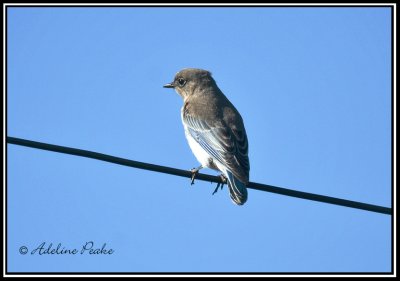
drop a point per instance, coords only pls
(313, 86)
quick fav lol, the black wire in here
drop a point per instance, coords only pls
(204, 177)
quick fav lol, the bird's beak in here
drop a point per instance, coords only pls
(169, 85)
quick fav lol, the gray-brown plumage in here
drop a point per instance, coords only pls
(214, 129)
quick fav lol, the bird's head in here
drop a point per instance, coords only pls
(190, 81)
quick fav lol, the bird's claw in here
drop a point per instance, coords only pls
(194, 171)
(223, 178)
(218, 186)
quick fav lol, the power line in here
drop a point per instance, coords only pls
(204, 177)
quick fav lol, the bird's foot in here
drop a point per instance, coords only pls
(220, 185)
(194, 171)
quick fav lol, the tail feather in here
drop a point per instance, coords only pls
(237, 189)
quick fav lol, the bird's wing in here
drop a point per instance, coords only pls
(228, 146)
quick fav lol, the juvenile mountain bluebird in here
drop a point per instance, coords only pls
(214, 129)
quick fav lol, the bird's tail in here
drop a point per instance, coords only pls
(237, 189)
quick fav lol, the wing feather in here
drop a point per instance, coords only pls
(226, 145)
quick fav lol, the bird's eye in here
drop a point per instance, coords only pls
(181, 82)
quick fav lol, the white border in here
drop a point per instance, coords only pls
(394, 246)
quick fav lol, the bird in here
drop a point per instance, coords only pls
(214, 130)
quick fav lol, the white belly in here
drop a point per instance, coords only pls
(202, 156)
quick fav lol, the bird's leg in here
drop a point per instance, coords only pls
(223, 178)
(195, 171)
